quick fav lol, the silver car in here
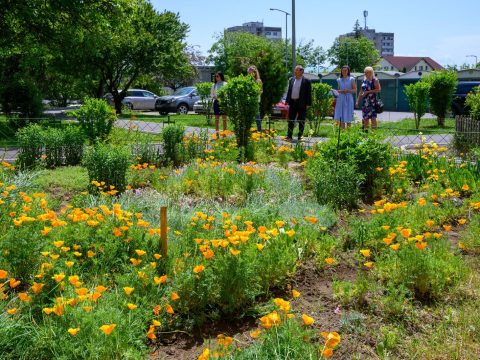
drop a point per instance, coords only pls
(181, 101)
(137, 99)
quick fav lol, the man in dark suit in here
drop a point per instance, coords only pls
(299, 98)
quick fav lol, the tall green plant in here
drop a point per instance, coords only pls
(473, 102)
(442, 85)
(107, 164)
(96, 118)
(321, 105)
(204, 91)
(418, 97)
(30, 142)
(172, 139)
(240, 101)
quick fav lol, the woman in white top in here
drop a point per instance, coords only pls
(219, 82)
(344, 106)
(253, 71)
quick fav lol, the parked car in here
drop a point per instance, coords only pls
(199, 107)
(458, 98)
(137, 99)
(280, 109)
(181, 101)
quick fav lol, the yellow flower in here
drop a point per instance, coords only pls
(255, 333)
(12, 311)
(421, 245)
(280, 223)
(406, 233)
(169, 309)
(140, 252)
(368, 264)
(37, 287)
(174, 296)
(395, 246)
(365, 252)
(58, 243)
(3, 274)
(160, 280)
(135, 262)
(465, 187)
(260, 247)
(131, 306)
(108, 328)
(307, 320)
(429, 222)
(73, 331)
(14, 283)
(58, 277)
(447, 227)
(290, 232)
(24, 297)
(462, 221)
(128, 290)
(295, 294)
(198, 269)
(69, 263)
(234, 252)
(386, 227)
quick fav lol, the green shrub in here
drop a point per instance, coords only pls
(53, 141)
(96, 118)
(204, 91)
(417, 96)
(108, 164)
(30, 142)
(172, 140)
(321, 105)
(336, 184)
(74, 140)
(442, 85)
(473, 102)
(240, 100)
(368, 152)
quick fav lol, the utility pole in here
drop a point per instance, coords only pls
(286, 34)
(294, 50)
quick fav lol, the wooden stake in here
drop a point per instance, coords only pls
(163, 229)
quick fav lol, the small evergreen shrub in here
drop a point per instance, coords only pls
(96, 118)
(172, 140)
(74, 140)
(107, 164)
(30, 142)
(53, 141)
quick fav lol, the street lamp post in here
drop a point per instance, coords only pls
(475, 56)
(286, 34)
(294, 50)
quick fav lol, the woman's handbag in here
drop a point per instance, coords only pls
(379, 106)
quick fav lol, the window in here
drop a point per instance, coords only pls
(268, 33)
(420, 67)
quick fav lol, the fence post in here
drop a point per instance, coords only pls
(163, 230)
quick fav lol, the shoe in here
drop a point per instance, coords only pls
(288, 139)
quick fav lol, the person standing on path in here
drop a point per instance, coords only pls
(370, 88)
(253, 71)
(299, 98)
(219, 82)
(344, 106)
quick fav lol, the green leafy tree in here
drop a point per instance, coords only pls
(418, 96)
(239, 98)
(313, 56)
(442, 85)
(234, 52)
(473, 102)
(321, 105)
(356, 53)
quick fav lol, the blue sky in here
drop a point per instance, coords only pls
(446, 31)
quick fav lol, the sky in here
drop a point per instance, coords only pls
(446, 31)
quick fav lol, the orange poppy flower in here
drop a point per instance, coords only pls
(108, 328)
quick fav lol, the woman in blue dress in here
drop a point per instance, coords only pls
(344, 106)
(370, 88)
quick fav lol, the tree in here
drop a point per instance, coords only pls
(234, 52)
(417, 96)
(356, 53)
(442, 85)
(321, 104)
(357, 30)
(313, 56)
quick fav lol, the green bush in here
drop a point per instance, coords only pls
(442, 86)
(172, 140)
(473, 102)
(368, 152)
(108, 164)
(336, 184)
(321, 105)
(204, 91)
(240, 100)
(96, 118)
(74, 140)
(30, 143)
(53, 141)
(417, 95)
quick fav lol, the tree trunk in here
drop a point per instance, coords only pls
(441, 121)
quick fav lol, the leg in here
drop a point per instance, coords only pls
(258, 120)
(365, 124)
(302, 115)
(224, 122)
(374, 124)
(217, 125)
(292, 114)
